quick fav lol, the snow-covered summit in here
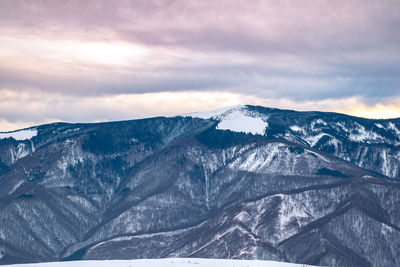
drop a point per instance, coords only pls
(216, 113)
(236, 118)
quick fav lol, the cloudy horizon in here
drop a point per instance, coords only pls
(90, 61)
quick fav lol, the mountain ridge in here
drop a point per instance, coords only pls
(200, 112)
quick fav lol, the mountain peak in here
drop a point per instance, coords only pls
(236, 118)
(216, 113)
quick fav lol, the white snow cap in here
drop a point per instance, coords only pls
(167, 262)
(20, 135)
(236, 119)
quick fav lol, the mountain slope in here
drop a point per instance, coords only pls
(242, 183)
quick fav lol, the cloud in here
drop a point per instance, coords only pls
(303, 52)
(38, 108)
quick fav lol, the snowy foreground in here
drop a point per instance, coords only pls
(169, 262)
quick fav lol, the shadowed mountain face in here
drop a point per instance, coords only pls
(314, 188)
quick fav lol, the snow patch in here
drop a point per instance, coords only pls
(240, 122)
(394, 128)
(342, 126)
(20, 152)
(319, 156)
(236, 119)
(367, 177)
(20, 135)
(333, 141)
(385, 230)
(319, 121)
(295, 128)
(16, 186)
(362, 135)
(313, 139)
(242, 216)
(385, 164)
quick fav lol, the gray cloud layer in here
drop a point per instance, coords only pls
(297, 50)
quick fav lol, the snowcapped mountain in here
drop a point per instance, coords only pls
(244, 182)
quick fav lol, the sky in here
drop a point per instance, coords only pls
(98, 60)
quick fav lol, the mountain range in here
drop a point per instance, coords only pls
(244, 182)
